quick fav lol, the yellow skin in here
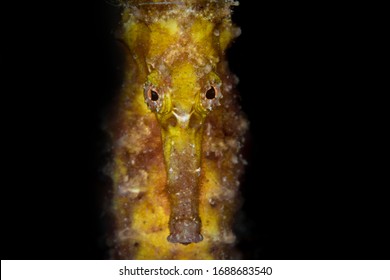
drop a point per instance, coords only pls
(176, 133)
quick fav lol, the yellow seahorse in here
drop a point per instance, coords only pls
(176, 133)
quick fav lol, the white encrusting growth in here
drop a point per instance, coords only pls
(133, 185)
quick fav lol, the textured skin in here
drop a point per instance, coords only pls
(176, 158)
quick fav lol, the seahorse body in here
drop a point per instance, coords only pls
(176, 134)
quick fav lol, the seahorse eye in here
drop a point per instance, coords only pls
(152, 97)
(210, 93)
(211, 97)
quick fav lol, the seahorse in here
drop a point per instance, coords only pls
(176, 133)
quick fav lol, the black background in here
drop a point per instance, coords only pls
(312, 187)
